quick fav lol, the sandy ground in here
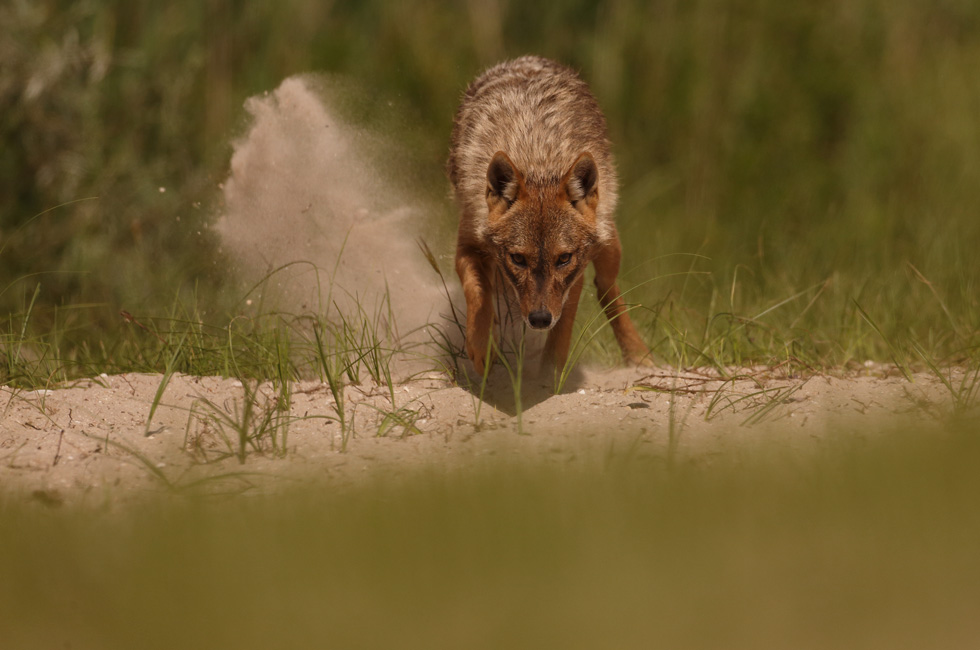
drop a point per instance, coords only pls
(304, 193)
(90, 443)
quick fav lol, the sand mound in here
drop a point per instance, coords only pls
(97, 440)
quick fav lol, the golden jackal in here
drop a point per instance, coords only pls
(536, 187)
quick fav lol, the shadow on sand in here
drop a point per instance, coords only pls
(501, 388)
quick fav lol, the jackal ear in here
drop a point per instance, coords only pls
(582, 181)
(504, 183)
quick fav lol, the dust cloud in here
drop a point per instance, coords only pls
(309, 206)
(304, 193)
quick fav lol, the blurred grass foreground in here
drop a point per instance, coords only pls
(785, 166)
(869, 545)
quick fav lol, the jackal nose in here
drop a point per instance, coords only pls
(539, 319)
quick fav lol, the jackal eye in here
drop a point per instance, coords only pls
(518, 260)
(563, 259)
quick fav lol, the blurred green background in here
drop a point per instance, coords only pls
(825, 151)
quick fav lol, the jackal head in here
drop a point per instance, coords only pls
(543, 232)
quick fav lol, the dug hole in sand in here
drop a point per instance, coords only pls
(310, 219)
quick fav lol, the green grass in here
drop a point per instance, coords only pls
(784, 167)
(868, 545)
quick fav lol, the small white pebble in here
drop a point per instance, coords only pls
(162, 190)
(581, 391)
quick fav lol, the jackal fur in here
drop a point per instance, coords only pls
(535, 183)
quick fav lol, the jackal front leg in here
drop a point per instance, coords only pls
(606, 263)
(478, 291)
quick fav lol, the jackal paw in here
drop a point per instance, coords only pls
(641, 357)
(480, 359)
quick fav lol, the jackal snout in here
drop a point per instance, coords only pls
(540, 319)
